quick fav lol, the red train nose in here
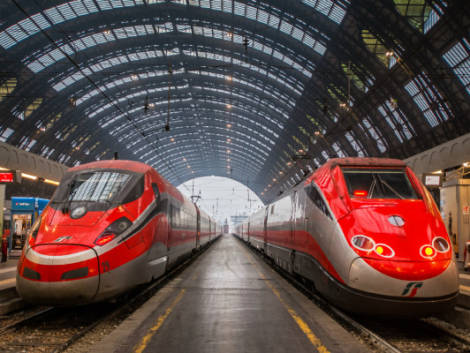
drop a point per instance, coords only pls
(58, 274)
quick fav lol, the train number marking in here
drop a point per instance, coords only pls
(412, 289)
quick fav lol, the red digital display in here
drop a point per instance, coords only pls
(6, 177)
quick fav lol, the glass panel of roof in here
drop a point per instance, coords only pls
(328, 8)
(458, 58)
(428, 99)
(355, 144)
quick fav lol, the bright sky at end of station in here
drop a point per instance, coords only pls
(221, 197)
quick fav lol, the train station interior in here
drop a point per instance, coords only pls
(294, 103)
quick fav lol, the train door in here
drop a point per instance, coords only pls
(293, 216)
(198, 228)
(265, 230)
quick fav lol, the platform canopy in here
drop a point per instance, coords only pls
(259, 91)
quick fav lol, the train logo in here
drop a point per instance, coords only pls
(415, 286)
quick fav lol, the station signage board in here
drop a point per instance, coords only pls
(432, 180)
(7, 177)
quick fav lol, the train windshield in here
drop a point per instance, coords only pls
(379, 183)
(99, 186)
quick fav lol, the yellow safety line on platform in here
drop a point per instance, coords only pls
(298, 320)
(161, 319)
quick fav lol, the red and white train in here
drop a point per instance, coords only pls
(110, 226)
(368, 235)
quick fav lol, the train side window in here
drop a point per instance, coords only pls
(315, 196)
(156, 192)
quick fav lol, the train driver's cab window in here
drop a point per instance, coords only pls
(317, 199)
(378, 183)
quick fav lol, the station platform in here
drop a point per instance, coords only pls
(8, 274)
(229, 301)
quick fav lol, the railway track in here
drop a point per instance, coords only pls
(56, 329)
(426, 335)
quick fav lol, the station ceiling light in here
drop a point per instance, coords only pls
(29, 176)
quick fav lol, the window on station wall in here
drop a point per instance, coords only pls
(6, 133)
(420, 13)
(396, 120)
(458, 58)
(7, 88)
(429, 100)
(374, 133)
(355, 144)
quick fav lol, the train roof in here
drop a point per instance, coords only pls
(114, 164)
(364, 162)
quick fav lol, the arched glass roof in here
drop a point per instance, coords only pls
(260, 91)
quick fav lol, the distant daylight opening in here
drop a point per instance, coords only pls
(225, 199)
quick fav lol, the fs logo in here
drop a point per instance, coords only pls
(412, 289)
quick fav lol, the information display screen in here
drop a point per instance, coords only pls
(432, 179)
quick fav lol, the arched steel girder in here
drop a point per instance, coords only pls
(240, 133)
(216, 137)
(64, 102)
(172, 83)
(69, 30)
(170, 158)
(137, 98)
(302, 54)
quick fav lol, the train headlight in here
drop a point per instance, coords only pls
(362, 242)
(440, 244)
(427, 251)
(113, 230)
(384, 250)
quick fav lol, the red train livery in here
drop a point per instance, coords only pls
(110, 226)
(368, 235)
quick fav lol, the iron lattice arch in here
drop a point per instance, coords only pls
(260, 91)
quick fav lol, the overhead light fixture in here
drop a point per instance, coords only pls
(281, 172)
(229, 126)
(29, 176)
(229, 106)
(466, 164)
(289, 163)
(269, 185)
(228, 151)
(228, 78)
(229, 140)
(134, 77)
(53, 182)
(389, 53)
(1, 168)
(262, 193)
(274, 179)
(184, 159)
(317, 133)
(188, 166)
(172, 139)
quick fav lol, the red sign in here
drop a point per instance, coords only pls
(6, 177)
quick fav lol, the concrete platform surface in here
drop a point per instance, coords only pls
(8, 274)
(229, 301)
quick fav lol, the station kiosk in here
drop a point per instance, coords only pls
(24, 211)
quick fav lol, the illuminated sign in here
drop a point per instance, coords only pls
(432, 180)
(7, 177)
